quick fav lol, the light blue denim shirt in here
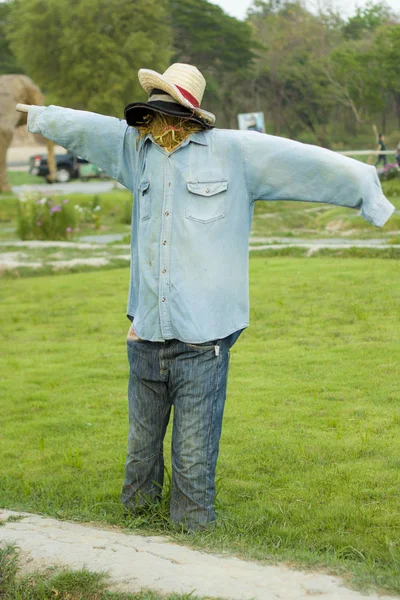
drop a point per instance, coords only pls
(193, 209)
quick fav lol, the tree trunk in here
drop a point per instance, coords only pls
(397, 102)
(5, 140)
(350, 123)
(288, 126)
(51, 161)
(278, 115)
(323, 138)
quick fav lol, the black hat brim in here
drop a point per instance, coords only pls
(135, 112)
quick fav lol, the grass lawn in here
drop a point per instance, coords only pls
(309, 468)
(24, 178)
(307, 220)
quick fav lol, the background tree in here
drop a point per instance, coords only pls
(367, 19)
(387, 55)
(221, 46)
(86, 53)
(357, 67)
(290, 68)
(356, 79)
(319, 78)
(8, 63)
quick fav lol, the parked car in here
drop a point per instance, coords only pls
(68, 166)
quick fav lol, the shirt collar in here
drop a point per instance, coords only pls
(200, 137)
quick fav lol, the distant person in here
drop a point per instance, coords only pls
(195, 188)
(381, 148)
(398, 154)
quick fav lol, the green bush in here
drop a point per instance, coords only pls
(90, 214)
(45, 218)
(389, 172)
(126, 214)
(391, 188)
(50, 218)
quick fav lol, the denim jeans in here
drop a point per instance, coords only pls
(192, 378)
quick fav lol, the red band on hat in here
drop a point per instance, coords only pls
(188, 96)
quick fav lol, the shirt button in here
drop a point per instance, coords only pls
(207, 190)
(163, 299)
(166, 213)
(164, 243)
(164, 271)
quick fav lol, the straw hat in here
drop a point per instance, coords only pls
(178, 92)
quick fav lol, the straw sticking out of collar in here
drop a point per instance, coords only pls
(168, 132)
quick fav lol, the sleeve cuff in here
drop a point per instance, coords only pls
(34, 115)
(382, 210)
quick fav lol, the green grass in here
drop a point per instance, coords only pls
(300, 219)
(309, 468)
(308, 220)
(24, 178)
(63, 584)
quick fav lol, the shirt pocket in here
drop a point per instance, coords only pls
(144, 200)
(206, 201)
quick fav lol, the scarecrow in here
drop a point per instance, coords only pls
(194, 190)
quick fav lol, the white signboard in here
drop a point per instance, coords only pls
(252, 122)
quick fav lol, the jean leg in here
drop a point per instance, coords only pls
(198, 390)
(149, 412)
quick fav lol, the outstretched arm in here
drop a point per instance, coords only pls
(105, 141)
(281, 169)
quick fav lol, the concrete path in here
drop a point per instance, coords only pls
(73, 187)
(57, 244)
(135, 562)
(106, 238)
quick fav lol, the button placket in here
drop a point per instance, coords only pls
(165, 252)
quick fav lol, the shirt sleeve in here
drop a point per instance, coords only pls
(282, 169)
(103, 140)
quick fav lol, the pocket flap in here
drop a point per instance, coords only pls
(143, 186)
(208, 188)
